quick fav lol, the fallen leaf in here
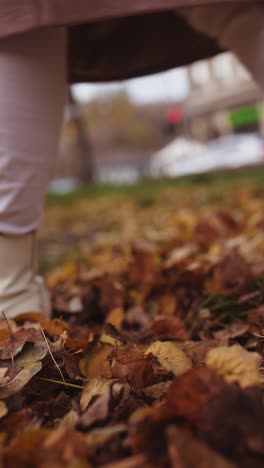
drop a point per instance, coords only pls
(235, 364)
(99, 411)
(232, 331)
(157, 391)
(132, 462)
(116, 317)
(95, 387)
(128, 364)
(3, 409)
(107, 443)
(185, 451)
(143, 266)
(13, 345)
(20, 380)
(170, 357)
(169, 328)
(31, 354)
(54, 328)
(4, 374)
(231, 273)
(32, 317)
(95, 363)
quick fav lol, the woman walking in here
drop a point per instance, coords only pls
(45, 44)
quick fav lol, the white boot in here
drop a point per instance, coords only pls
(21, 290)
(237, 27)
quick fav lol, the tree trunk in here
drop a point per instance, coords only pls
(83, 142)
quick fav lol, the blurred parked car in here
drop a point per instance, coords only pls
(175, 157)
(226, 152)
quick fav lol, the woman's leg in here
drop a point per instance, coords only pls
(239, 28)
(32, 97)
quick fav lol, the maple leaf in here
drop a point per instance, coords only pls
(128, 364)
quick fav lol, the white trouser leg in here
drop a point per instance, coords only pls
(237, 27)
(32, 97)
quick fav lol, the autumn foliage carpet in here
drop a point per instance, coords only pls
(154, 354)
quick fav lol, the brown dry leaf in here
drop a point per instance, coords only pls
(197, 350)
(21, 379)
(96, 363)
(235, 364)
(185, 451)
(54, 327)
(44, 448)
(232, 331)
(4, 375)
(66, 272)
(167, 304)
(229, 274)
(157, 391)
(128, 364)
(190, 393)
(95, 387)
(116, 317)
(169, 328)
(101, 408)
(132, 462)
(69, 421)
(66, 447)
(13, 345)
(5, 332)
(3, 409)
(30, 354)
(25, 448)
(101, 436)
(32, 317)
(179, 255)
(143, 266)
(170, 357)
(137, 317)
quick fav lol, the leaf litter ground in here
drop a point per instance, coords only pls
(154, 353)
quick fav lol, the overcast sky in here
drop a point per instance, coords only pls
(171, 85)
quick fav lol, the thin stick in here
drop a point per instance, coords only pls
(61, 383)
(52, 357)
(11, 338)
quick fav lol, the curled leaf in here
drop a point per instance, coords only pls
(14, 344)
(170, 357)
(235, 364)
(19, 381)
(94, 388)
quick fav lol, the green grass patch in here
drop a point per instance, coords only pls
(146, 191)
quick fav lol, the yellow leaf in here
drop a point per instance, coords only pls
(170, 357)
(3, 409)
(235, 364)
(116, 317)
(96, 386)
(67, 272)
(95, 364)
(110, 340)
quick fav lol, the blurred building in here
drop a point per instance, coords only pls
(222, 99)
(112, 137)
